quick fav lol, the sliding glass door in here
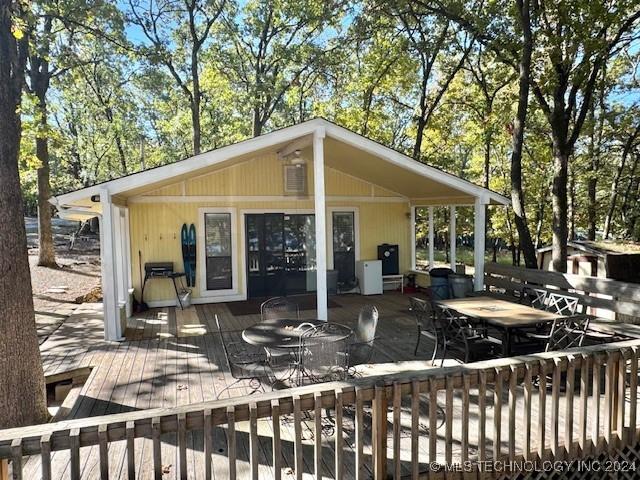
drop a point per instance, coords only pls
(344, 252)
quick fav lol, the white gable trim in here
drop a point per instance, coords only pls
(287, 134)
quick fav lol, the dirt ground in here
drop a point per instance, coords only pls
(55, 290)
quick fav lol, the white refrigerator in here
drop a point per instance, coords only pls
(369, 273)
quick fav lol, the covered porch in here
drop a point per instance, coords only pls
(334, 196)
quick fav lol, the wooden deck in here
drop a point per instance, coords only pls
(173, 358)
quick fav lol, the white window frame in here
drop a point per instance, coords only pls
(356, 227)
(201, 252)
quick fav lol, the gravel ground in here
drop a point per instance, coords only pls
(55, 289)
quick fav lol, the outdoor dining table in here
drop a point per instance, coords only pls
(501, 314)
(286, 334)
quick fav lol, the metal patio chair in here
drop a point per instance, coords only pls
(534, 297)
(322, 355)
(460, 335)
(424, 313)
(562, 304)
(279, 308)
(245, 362)
(361, 349)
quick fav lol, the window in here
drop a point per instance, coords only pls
(218, 250)
(344, 255)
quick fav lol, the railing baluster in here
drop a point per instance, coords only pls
(317, 434)
(448, 420)
(131, 450)
(103, 450)
(297, 432)
(397, 427)
(608, 399)
(595, 405)
(253, 439)
(207, 435)
(16, 458)
(542, 407)
(633, 394)
(276, 446)
(415, 425)
(482, 420)
(497, 415)
(379, 432)
(74, 452)
(622, 390)
(359, 434)
(339, 400)
(466, 386)
(555, 407)
(231, 441)
(584, 394)
(45, 456)
(182, 445)
(433, 420)
(568, 416)
(513, 377)
(528, 379)
(157, 447)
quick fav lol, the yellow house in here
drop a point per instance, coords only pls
(256, 207)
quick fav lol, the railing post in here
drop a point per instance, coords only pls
(379, 433)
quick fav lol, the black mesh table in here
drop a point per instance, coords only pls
(316, 336)
(278, 333)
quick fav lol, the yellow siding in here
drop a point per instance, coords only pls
(155, 227)
(155, 231)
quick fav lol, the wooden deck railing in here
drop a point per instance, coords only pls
(554, 405)
(622, 298)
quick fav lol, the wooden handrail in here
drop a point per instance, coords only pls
(617, 362)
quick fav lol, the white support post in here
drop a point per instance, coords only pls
(452, 236)
(431, 255)
(320, 214)
(412, 235)
(479, 233)
(108, 258)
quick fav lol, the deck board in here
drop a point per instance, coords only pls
(173, 357)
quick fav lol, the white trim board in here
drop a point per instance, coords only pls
(274, 139)
(201, 257)
(259, 198)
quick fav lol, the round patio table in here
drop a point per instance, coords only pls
(286, 333)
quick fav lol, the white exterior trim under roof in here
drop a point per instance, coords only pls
(287, 134)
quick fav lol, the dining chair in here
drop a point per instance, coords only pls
(562, 304)
(423, 313)
(361, 348)
(245, 362)
(279, 308)
(460, 335)
(564, 333)
(322, 354)
(533, 297)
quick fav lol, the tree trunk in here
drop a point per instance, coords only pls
(195, 103)
(616, 181)
(22, 389)
(517, 194)
(46, 255)
(559, 202)
(417, 146)
(257, 123)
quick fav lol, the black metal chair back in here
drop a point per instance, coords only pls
(279, 308)
(567, 332)
(534, 297)
(562, 304)
(424, 314)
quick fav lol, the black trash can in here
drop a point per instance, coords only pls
(440, 283)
